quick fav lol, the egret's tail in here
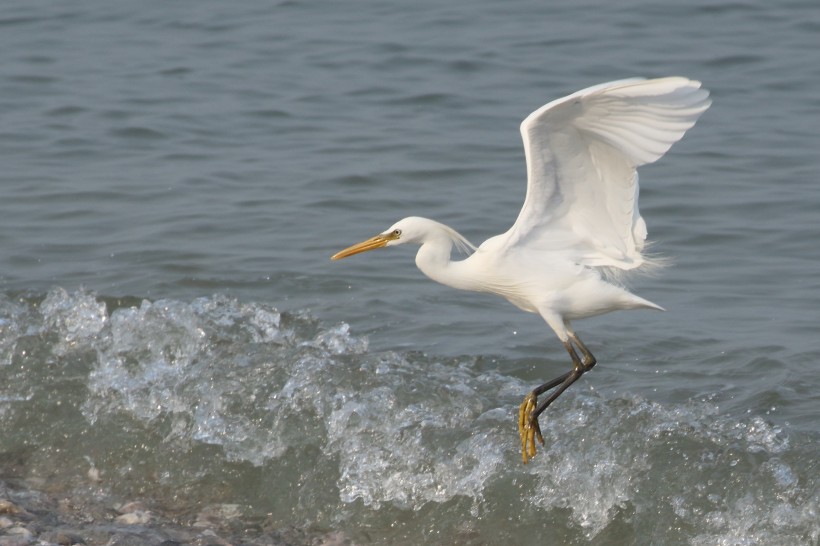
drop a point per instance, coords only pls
(637, 302)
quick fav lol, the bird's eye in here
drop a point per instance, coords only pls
(397, 233)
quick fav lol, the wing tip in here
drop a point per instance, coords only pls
(681, 87)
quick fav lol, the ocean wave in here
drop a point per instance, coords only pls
(173, 393)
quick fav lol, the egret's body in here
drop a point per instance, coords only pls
(580, 226)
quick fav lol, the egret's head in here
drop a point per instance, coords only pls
(412, 229)
(394, 235)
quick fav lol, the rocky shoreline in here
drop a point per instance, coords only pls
(29, 516)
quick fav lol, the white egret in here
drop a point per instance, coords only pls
(579, 228)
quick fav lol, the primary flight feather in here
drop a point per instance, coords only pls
(580, 220)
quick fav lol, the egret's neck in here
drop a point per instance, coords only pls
(433, 259)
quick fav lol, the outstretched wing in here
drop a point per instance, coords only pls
(582, 154)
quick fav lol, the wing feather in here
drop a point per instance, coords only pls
(582, 156)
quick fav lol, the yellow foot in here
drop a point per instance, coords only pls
(528, 427)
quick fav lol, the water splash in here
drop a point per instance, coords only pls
(77, 318)
(385, 433)
(677, 465)
(408, 438)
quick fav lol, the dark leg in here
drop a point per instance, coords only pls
(538, 391)
(528, 426)
(570, 377)
(589, 358)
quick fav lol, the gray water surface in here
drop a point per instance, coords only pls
(175, 176)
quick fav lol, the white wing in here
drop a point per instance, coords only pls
(582, 153)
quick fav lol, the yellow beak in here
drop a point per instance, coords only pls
(378, 241)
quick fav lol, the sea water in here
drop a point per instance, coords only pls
(176, 176)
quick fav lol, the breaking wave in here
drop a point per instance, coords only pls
(212, 398)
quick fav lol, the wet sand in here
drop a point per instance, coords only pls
(31, 516)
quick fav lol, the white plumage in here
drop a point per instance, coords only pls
(580, 219)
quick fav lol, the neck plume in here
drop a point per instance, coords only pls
(434, 257)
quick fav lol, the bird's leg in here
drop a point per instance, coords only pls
(528, 429)
(589, 359)
(529, 411)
